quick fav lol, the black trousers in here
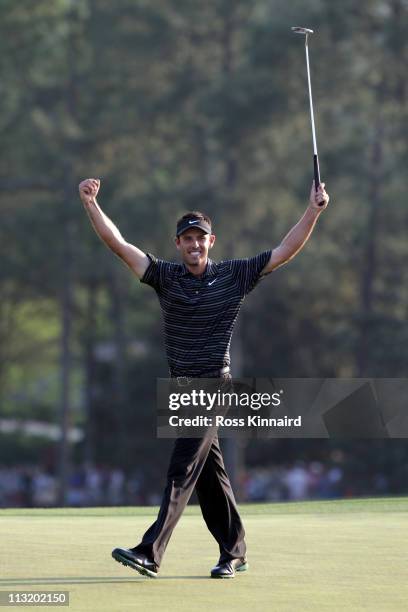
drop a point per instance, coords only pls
(197, 462)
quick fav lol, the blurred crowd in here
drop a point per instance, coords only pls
(294, 482)
(26, 486)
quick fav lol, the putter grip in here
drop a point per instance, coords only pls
(316, 172)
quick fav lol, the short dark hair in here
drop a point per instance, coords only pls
(195, 214)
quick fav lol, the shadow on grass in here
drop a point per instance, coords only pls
(90, 580)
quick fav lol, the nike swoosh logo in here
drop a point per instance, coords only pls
(196, 221)
(212, 282)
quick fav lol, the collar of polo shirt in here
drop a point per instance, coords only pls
(209, 270)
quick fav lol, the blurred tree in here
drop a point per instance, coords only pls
(178, 105)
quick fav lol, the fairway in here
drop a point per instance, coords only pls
(340, 555)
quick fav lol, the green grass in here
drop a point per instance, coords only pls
(340, 555)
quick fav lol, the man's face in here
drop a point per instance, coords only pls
(194, 245)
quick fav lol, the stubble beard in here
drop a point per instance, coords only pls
(195, 262)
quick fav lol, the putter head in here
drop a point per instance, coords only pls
(298, 30)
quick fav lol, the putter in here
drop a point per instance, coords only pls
(305, 32)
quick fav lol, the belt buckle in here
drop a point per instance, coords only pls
(183, 381)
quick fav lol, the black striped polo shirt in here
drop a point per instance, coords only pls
(199, 312)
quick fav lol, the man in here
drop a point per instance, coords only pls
(200, 301)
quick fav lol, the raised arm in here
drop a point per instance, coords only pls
(107, 230)
(295, 240)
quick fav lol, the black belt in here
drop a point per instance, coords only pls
(183, 381)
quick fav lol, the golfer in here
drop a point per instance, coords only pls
(200, 301)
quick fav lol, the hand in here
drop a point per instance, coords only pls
(88, 190)
(318, 199)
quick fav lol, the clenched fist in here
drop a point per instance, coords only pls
(88, 190)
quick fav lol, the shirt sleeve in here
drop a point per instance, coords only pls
(155, 274)
(247, 271)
